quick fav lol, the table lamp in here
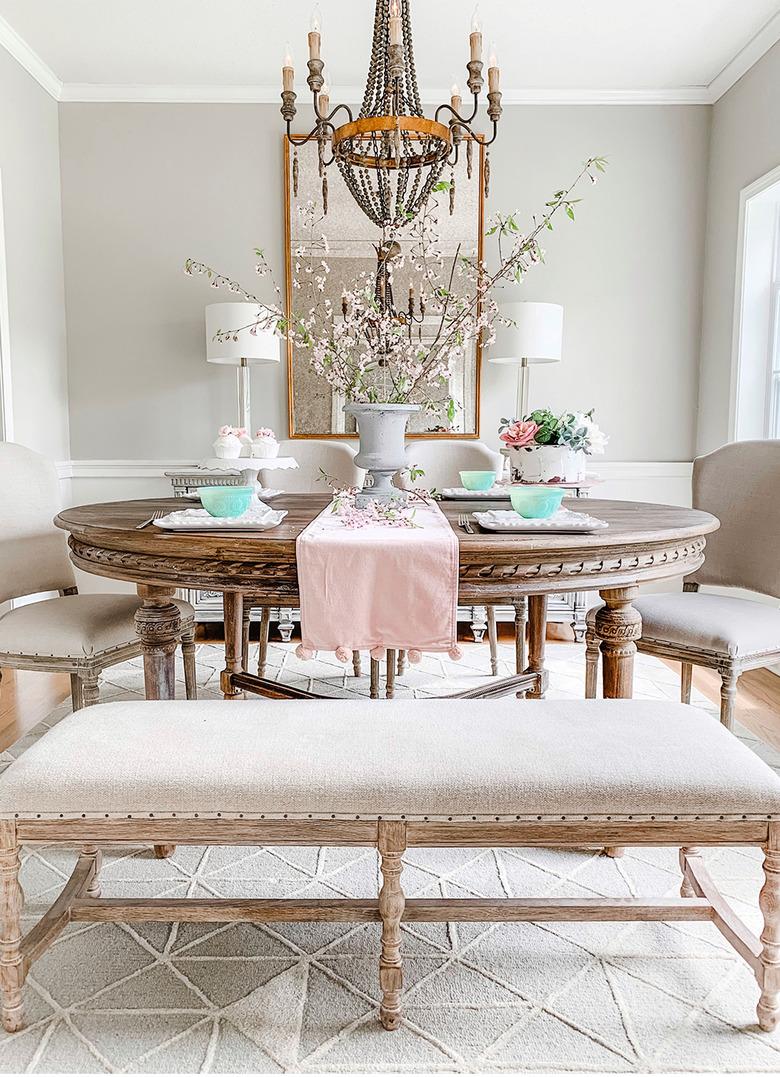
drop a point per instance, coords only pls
(535, 335)
(248, 350)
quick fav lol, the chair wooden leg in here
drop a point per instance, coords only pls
(592, 653)
(93, 890)
(188, 657)
(391, 844)
(686, 680)
(262, 652)
(390, 682)
(374, 688)
(728, 697)
(401, 663)
(90, 687)
(76, 693)
(537, 629)
(246, 614)
(686, 887)
(521, 620)
(12, 902)
(492, 640)
(356, 667)
(768, 1010)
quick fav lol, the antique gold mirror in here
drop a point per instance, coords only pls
(355, 247)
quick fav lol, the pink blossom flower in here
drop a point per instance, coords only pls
(519, 433)
(265, 432)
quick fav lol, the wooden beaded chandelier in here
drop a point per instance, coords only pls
(390, 155)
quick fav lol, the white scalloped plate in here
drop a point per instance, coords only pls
(199, 520)
(562, 521)
(460, 493)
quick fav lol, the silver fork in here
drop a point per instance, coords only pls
(463, 521)
(157, 515)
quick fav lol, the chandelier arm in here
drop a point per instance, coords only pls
(313, 136)
(493, 137)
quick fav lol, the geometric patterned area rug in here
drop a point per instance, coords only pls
(190, 998)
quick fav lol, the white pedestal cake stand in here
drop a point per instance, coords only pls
(249, 467)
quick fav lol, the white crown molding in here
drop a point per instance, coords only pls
(759, 44)
(30, 60)
(270, 95)
(10, 40)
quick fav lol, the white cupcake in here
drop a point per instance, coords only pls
(265, 446)
(246, 441)
(228, 444)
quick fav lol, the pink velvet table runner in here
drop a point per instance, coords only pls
(378, 587)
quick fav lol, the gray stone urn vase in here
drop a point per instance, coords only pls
(381, 429)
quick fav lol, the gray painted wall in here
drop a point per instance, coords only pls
(29, 163)
(145, 186)
(745, 145)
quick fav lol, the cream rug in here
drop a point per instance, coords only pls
(303, 998)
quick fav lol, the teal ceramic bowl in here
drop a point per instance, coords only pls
(477, 480)
(226, 501)
(536, 502)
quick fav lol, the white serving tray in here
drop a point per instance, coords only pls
(564, 520)
(258, 518)
(460, 493)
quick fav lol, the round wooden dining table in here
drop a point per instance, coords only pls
(643, 542)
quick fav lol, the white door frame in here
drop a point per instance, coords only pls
(6, 410)
(745, 195)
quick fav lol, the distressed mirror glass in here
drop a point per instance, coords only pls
(316, 410)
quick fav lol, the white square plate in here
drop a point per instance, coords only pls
(564, 520)
(258, 518)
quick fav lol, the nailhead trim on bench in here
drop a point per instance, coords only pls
(531, 817)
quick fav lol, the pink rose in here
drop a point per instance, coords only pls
(519, 433)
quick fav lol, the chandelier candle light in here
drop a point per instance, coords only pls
(391, 155)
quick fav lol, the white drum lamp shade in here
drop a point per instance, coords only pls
(262, 346)
(535, 336)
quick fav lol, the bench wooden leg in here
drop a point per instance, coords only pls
(768, 1010)
(93, 889)
(356, 666)
(12, 899)
(401, 663)
(686, 887)
(374, 687)
(391, 844)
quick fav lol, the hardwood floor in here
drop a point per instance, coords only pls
(26, 697)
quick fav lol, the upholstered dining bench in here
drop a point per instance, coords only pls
(402, 774)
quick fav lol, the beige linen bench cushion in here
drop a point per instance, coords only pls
(433, 759)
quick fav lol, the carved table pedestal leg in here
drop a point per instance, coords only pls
(618, 625)
(158, 624)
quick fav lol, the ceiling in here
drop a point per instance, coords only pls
(644, 50)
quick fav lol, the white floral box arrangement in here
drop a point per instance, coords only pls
(545, 447)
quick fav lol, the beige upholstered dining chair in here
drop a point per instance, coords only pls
(77, 634)
(316, 459)
(740, 484)
(442, 459)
